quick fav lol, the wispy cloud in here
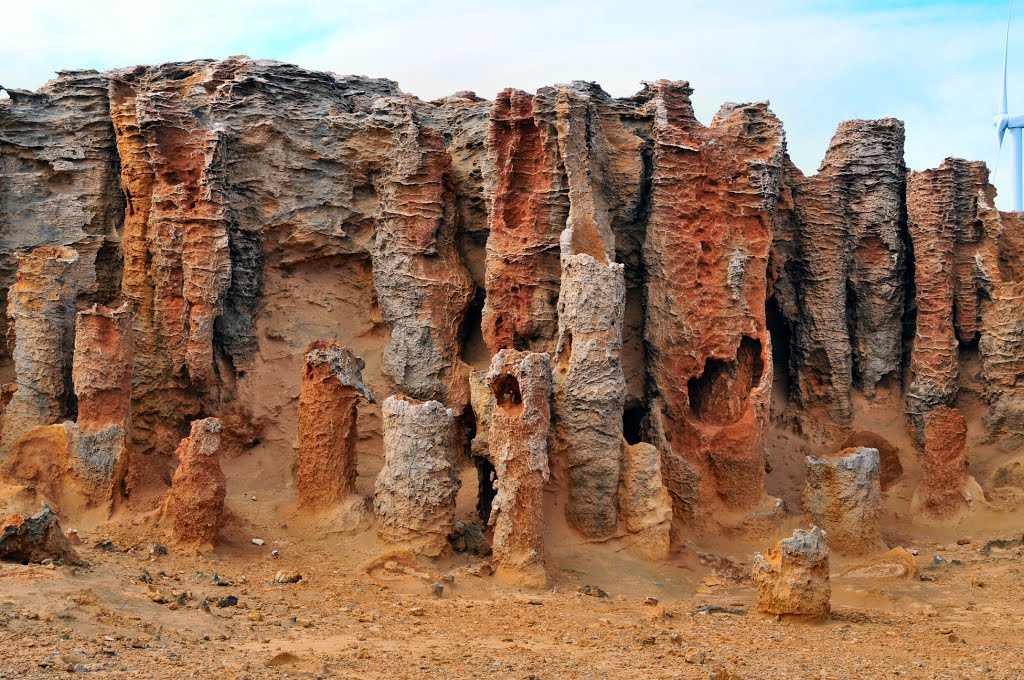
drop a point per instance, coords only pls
(933, 64)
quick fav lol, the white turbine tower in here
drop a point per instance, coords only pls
(1003, 122)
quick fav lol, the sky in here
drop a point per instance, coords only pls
(935, 65)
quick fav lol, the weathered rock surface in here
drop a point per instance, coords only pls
(894, 564)
(195, 503)
(41, 311)
(325, 451)
(35, 539)
(843, 496)
(847, 262)
(518, 440)
(946, 492)
(713, 202)
(792, 579)
(414, 496)
(644, 502)
(890, 470)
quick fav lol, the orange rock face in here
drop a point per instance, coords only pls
(41, 309)
(332, 384)
(102, 372)
(527, 216)
(518, 442)
(175, 244)
(946, 491)
(706, 255)
(195, 503)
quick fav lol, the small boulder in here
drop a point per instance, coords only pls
(36, 538)
(792, 579)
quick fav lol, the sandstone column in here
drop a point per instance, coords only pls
(195, 503)
(332, 383)
(843, 495)
(102, 376)
(518, 441)
(946, 492)
(793, 579)
(644, 502)
(41, 309)
(414, 497)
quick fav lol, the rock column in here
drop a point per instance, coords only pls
(644, 504)
(41, 309)
(195, 503)
(518, 441)
(332, 384)
(414, 498)
(102, 376)
(843, 496)
(792, 579)
(946, 492)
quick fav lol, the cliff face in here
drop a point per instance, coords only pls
(687, 281)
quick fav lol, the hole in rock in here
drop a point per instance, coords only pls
(507, 393)
(474, 349)
(719, 395)
(486, 491)
(632, 421)
(782, 337)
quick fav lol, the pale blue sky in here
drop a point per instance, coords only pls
(933, 64)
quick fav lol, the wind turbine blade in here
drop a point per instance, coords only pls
(999, 147)
(1006, 48)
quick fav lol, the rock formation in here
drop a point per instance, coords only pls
(41, 311)
(36, 539)
(325, 450)
(195, 503)
(946, 491)
(646, 507)
(792, 579)
(890, 470)
(414, 496)
(713, 202)
(102, 376)
(518, 441)
(893, 564)
(844, 497)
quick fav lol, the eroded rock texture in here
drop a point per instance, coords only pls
(195, 503)
(946, 492)
(890, 469)
(41, 311)
(35, 539)
(843, 496)
(646, 507)
(714, 196)
(518, 441)
(845, 299)
(792, 579)
(414, 497)
(325, 450)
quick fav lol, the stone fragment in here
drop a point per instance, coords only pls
(792, 579)
(35, 539)
(894, 564)
(520, 429)
(591, 388)
(890, 470)
(843, 496)
(422, 286)
(712, 206)
(195, 502)
(325, 448)
(644, 503)
(414, 496)
(41, 310)
(947, 493)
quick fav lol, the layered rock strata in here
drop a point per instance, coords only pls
(518, 441)
(843, 496)
(713, 202)
(41, 311)
(195, 502)
(325, 449)
(792, 579)
(414, 496)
